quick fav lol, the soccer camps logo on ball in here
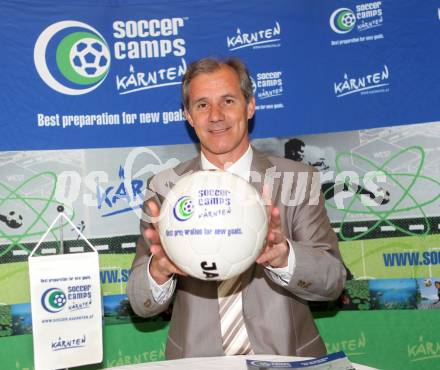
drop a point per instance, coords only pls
(53, 300)
(184, 208)
(72, 57)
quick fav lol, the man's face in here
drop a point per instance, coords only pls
(219, 114)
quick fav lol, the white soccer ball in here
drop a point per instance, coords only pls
(213, 225)
(90, 57)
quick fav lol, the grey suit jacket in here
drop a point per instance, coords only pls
(278, 319)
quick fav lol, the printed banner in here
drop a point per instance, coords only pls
(109, 75)
(66, 309)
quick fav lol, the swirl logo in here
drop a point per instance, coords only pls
(53, 300)
(72, 57)
(184, 208)
(342, 20)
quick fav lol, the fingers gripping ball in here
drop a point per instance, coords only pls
(213, 225)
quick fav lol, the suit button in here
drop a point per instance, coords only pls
(147, 303)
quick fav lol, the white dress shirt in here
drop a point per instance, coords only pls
(280, 276)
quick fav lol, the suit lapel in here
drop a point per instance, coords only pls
(193, 165)
(263, 171)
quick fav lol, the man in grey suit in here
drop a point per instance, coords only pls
(299, 262)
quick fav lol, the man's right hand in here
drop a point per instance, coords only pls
(161, 267)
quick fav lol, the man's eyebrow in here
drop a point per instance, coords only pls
(203, 98)
(229, 95)
(198, 100)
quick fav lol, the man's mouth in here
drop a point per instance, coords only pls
(218, 130)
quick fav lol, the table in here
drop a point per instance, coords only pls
(215, 363)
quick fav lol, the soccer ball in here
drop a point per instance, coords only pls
(347, 20)
(90, 57)
(13, 220)
(54, 300)
(213, 225)
(428, 282)
(59, 299)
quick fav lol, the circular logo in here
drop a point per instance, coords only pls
(342, 20)
(53, 300)
(72, 57)
(184, 208)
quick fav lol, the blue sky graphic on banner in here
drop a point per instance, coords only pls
(107, 74)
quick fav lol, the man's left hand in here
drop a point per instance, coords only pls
(276, 251)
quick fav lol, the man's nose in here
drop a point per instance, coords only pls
(216, 113)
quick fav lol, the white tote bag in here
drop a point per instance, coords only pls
(66, 307)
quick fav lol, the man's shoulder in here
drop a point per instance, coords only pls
(169, 176)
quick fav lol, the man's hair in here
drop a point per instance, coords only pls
(210, 65)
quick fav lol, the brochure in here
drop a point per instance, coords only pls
(334, 361)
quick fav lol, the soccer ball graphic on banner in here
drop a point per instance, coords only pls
(89, 57)
(347, 19)
(213, 225)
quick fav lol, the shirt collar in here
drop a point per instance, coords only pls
(241, 167)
